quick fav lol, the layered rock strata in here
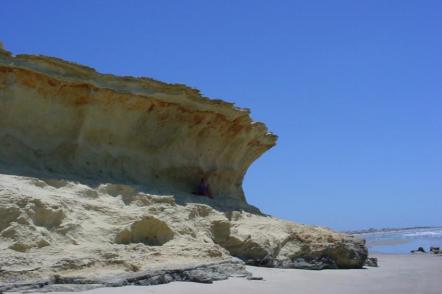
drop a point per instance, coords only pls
(68, 119)
(206, 274)
(83, 153)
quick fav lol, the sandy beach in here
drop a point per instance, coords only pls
(417, 274)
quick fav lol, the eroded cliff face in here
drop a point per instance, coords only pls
(55, 231)
(68, 119)
(69, 123)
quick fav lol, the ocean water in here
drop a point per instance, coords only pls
(403, 241)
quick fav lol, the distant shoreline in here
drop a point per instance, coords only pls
(373, 230)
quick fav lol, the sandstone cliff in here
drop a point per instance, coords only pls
(96, 177)
(68, 119)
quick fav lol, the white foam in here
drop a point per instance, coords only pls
(424, 234)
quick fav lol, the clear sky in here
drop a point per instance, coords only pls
(352, 88)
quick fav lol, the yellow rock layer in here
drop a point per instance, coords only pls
(68, 119)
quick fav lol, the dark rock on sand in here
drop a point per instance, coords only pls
(309, 263)
(435, 250)
(200, 274)
(420, 249)
(371, 261)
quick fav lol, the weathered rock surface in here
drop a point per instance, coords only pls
(96, 179)
(68, 119)
(207, 274)
(287, 245)
(58, 227)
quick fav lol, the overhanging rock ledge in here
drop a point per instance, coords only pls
(68, 119)
(96, 174)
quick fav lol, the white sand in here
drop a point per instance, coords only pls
(416, 274)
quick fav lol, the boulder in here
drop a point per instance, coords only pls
(419, 250)
(266, 241)
(435, 250)
(372, 262)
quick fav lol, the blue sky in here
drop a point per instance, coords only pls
(352, 88)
